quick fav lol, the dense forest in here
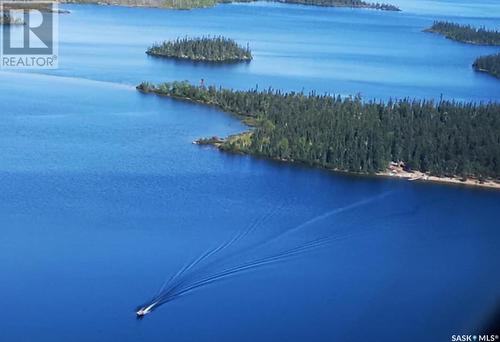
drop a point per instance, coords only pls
(489, 64)
(465, 33)
(189, 4)
(445, 138)
(344, 3)
(217, 49)
(332, 3)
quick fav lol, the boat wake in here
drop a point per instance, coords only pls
(211, 266)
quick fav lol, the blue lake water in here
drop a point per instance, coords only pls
(103, 196)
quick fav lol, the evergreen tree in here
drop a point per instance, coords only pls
(217, 49)
(446, 138)
(489, 64)
(465, 33)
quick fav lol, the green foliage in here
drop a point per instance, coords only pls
(465, 33)
(217, 49)
(210, 141)
(188, 4)
(489, 64)
(344, 3)
(444, 138)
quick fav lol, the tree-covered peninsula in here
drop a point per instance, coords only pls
(206, 49)
(465, 33)
(190, 4)
(446, 138)
(344, 3)
(489, 64)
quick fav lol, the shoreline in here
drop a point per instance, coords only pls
(422, 177)
(456, 32)
(394, 170)
(444, 35)
(200, 60)
(412, 176)
(487, 72)
(159, 4)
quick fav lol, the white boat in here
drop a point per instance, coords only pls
(414, 178)
(145, 310)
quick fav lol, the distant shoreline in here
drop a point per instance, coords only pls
(465, 34)
(194, 4)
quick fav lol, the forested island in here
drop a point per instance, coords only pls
(206, 49)
(444, 139)
(489, 64)
(465, 33)
(190, 4)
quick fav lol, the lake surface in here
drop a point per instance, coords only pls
(103, 196)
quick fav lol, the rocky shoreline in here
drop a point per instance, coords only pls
(394, 170)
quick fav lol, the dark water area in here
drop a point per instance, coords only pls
(103, 196)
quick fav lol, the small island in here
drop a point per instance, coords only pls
(489, 64)
(205, 49)
(465, 33)
(447, 141)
